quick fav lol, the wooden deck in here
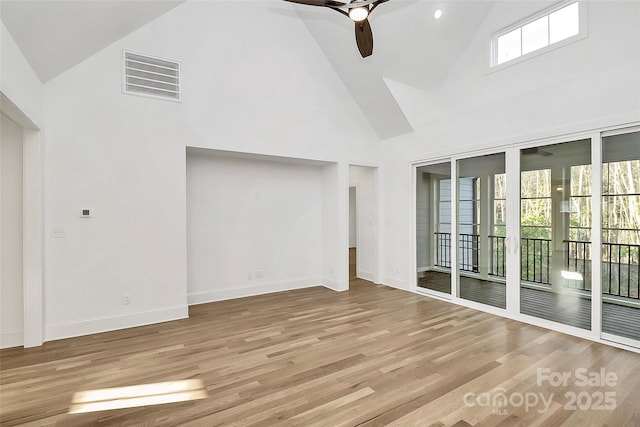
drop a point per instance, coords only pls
(568, 309)
(371, 356)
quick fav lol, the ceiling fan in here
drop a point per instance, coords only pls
(358, 11)
(536, 150)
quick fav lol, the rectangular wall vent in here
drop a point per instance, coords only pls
(146, 75)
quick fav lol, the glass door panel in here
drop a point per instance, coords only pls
(555, 233)
(481, 229)
(433, 227)
(621, 235)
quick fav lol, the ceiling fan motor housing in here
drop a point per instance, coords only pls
(358, 11)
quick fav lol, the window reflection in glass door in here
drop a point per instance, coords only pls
(621, 235)
(555, 233)
(433, 227)
(481, 229)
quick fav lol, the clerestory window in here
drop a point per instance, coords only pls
(550, 26)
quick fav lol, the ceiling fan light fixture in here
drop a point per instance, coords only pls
(358, 14)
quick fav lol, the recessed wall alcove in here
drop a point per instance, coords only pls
(258, 224)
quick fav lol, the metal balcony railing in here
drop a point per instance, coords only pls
(620, 267)
(497, 260)
(535, 258)
(620, 261)
(621, 272)
(535, 255)
(578, 259)
(468, 254)
(443, 250)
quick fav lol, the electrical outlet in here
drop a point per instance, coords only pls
(259, 274)
(126, 299)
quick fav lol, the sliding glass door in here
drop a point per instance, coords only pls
(481, 229)
(433, 227)
(550, 232)
(555, 233)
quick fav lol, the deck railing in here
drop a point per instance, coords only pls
(468, 254)
(497, 260)
(535, 258)
(620, 267)
(443, 250)
(578, 259)
(535, 261)
(620, 261)
(469, 247)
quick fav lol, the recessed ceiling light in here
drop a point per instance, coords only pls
(437, 14)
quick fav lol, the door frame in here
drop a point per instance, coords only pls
(32, 222)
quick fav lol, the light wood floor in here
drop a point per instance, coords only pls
(371, 356)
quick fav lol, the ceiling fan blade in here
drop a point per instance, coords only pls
(376, 4)
(536, 150)
(364, 38)
(362, 3)
(327, 3)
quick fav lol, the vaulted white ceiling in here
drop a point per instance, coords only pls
(55, 35)
(413, 52)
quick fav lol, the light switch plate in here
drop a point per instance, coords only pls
(57, 232)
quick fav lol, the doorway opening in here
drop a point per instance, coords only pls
(11, 232)
(363, 224)
(353, 232)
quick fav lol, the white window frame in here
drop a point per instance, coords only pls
(582, 34)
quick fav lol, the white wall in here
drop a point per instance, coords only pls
(367, 220)
(335, 233)
(588, 84)
(11, 260)
(18, 82)
(267, 90)
(254, 226)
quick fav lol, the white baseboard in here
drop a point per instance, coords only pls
(334, 286)
(248, 291)
(366, 275)
(58, 331)
(394, 283)
(11, 338)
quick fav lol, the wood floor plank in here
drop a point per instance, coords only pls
(371, 356)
